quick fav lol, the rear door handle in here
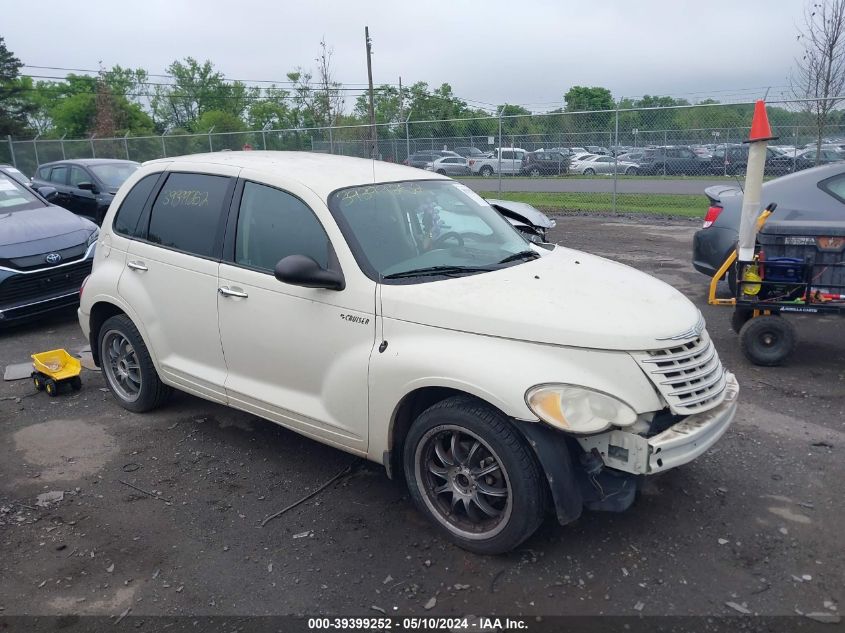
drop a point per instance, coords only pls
(229, 292)
(137, 266)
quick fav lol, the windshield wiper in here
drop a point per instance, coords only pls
(437, 270)
(520, 255)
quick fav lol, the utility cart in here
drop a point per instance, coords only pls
(55, 370)
(798, 267)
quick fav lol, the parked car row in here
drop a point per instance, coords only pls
(675, 160)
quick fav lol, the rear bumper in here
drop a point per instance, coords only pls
(677, 445)
(711, 247)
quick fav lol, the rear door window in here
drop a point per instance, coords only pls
(188, 213)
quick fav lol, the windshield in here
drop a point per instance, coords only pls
(14, 196)
(398, 227)
(114, 174)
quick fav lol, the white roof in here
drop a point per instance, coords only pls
(322, 173)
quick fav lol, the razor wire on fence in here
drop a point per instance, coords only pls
(601, 156)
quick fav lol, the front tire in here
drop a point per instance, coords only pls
(128, 367)
(589, 172)
(471, 472)
(534, 173)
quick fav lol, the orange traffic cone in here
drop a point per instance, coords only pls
(760, 129)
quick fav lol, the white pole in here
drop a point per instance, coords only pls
(751, 199)
(759, 139)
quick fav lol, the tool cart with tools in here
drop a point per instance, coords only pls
(783, 266)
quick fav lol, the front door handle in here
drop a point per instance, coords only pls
(137, 266)
(228, 292)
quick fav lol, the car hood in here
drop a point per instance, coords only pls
(34, 231)
(565, 297)
(522, 212)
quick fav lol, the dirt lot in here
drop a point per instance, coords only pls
(161, 513)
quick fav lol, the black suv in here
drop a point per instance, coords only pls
(732, 160)
(544, 163)
(85, 186)
(673, 160)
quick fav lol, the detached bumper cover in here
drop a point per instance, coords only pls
(677, 445)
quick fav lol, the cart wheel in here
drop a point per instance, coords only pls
(52, 387)
(767, 340)
(739, 318)
(38, 381)
(76, 383)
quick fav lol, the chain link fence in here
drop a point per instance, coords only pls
(627, 159)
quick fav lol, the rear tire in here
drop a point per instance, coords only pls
(51, 387)
(127, 366)
(739, 318)
(767, 340)
(471, 472)
(732, 283)
(38, 381)
(76, 383)
(442, 172)
(534, 173)
(486, 171)
(631, 171)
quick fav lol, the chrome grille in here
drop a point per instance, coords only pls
(689, 376)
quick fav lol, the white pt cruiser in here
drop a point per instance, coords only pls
(394, 314)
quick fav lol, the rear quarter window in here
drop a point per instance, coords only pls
(188, 211)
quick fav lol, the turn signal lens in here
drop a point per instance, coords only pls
(578, 410)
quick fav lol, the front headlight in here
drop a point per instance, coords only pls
(93, 237)
(577, 409)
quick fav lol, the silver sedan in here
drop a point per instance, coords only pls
(604, 165)
(449, 166)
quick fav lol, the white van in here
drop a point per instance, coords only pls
(392, 313)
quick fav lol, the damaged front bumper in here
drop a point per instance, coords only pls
(677, 445)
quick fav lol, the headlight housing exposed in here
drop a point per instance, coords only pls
(93, 237)
(577, 409)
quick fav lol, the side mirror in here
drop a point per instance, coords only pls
(88, 186)
(48, 193)
(301, 270)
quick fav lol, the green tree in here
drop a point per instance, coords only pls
(15, 104)
(582, 98)
(198, 88)
(387, 104)
(220, 121)
(272, 110)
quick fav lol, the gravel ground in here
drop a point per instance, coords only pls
(161, 513)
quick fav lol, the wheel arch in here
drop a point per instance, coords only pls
(550, 449)
(406, 411)
(101, 311)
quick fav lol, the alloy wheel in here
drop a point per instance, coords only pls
(121, 366)
(464, 482)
